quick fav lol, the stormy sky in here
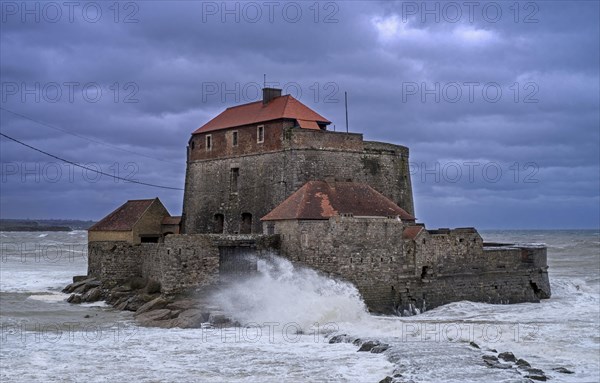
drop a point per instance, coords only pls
(497, 101)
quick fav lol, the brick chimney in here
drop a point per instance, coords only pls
(270, 93)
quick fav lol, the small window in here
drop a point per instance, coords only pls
(208, 142)
(193, 145)
(260, 134)
(235, 174)
(234, 138)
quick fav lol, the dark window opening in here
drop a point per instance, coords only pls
(271, 228)
(260, 134)
(246, 224)
(149, 238)
(234, 138)
(219, 223)
(193, 145)
(208, 142)
(424, 272)
(235, 173)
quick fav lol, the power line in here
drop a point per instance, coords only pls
(87, 168)
(85, 137)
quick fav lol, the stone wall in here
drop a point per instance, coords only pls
(180, 263)
(99, 236)
(405, 275)
(256, 183)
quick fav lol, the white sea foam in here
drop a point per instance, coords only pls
(283, 293)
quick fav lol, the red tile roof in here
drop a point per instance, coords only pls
(322, 200)
(411, 232)
(124, 217)
(255, 112)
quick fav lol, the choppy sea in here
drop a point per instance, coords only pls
(287, 316)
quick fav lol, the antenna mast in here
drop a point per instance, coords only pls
(346, 104)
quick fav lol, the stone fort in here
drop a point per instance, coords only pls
(267, 178)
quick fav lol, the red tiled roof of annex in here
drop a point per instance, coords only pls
(411, 232)
(256, 112)
(322, 200)
(124, 217)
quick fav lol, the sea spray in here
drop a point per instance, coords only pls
(283, 293)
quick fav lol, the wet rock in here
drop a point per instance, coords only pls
(338, 338)
(137, 283)
(92, 295)
(357, 342)
(121, 289)
(152, 287)
(541, 378)
(74, 298)
(523, 363)
(507, 356)
(218, 317)
(490, 358)
(75, 285)
(87, 316)
(134, 303)
(380, 348)
(80, 278)
(563, 370)
(155, 304)
(182, 304)
(473, 344)
(387, 379)
(192, 318)
(368, 346)
(148, 318)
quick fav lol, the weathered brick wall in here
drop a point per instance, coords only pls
(265, 179)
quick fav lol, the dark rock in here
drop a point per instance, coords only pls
(134, 303)
(87, 316)
(473, 344)
(147, 318)
(357, 342)
(80, 278)
(387, 379)
(182, 304)
(152, 287)
(121, 289)
(507, 356)
(368, 346)
(490, 358)
(523, 363)
(192, 318)
(563, 370)
(380, 348)
(541, 378)
(155, 304)
(79, 289)
(137, 283)
(218, 318)
(338, 338)
(71, 287)
(74, 298)
(534, 371)
(92, 295)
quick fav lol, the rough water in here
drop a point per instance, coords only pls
(288, 316)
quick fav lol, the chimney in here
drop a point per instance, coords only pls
(270, 93)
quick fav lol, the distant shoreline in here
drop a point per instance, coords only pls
(37, 225)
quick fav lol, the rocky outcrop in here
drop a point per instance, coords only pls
(150, 307)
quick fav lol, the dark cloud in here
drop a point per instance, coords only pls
(175, 65)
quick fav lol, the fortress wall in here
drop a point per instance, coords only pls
(265, 179)
(180, 263)
(114, 262)
(313, 139)
(365, 252)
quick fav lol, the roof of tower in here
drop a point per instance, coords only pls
(256, 112)
(322, 200)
